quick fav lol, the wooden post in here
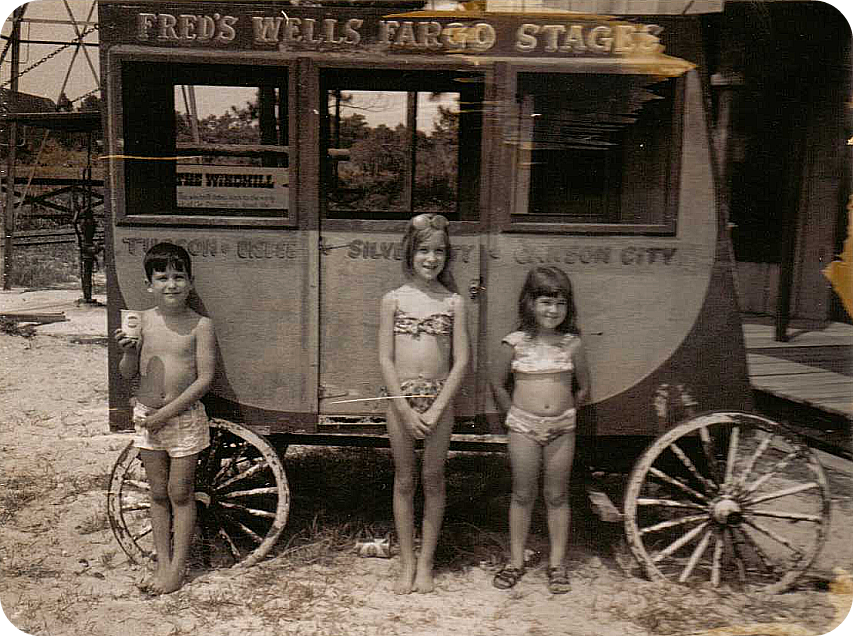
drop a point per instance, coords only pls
(412, 127)
(7, 220)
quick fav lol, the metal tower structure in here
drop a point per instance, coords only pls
(63, 33)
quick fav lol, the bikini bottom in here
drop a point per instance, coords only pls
(543, 429)
(421, 392)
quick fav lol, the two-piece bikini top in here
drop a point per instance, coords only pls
(541, 357)
(436, 324)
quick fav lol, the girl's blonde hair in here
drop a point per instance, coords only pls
(553, 283)
(420, 229)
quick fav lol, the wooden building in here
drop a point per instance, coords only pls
(780, 72)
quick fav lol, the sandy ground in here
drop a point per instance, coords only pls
(62, 572)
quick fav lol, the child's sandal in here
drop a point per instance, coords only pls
(507, 577)
(558, 580)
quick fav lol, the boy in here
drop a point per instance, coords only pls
(174, 358)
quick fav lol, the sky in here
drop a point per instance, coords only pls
(79, 75)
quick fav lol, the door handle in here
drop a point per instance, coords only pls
(475, 287)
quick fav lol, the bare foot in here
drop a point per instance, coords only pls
(424, 582)
(170, 582)
(406, 579)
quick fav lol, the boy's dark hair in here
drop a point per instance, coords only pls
(164, 255)
(553, 283)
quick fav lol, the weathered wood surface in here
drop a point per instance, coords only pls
(812, 368)
(828, 391)
(42, 319)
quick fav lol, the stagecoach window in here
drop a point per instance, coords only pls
(594, 152)
(205, 140)
(401, 143)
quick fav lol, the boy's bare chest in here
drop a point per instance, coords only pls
(167, 343)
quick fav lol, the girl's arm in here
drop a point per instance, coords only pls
(499, 376)
(205, 360)
(461, 357)
(406, 413)
(581, 375)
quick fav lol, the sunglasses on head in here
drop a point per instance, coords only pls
(424, 221)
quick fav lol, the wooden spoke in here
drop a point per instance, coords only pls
(710, 457)
(668, 503)
(773, 535)
(675, 545)
(759, 451)
(785, 492)
(776, 469)
(266, 490)
(245, 474)
(789, 516)
(697, 553)
(249, 511)
(247, 531)
(765, 560)
(717, 559)
(732, 456)
(710, 485)
(232, 547)
(677, 483)
(665, 525)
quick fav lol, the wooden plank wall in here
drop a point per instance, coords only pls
(757, 287)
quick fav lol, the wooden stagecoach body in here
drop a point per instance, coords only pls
(295, 297)
(293, 281)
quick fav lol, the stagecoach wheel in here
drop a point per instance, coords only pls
(727, 497)
(242, 498)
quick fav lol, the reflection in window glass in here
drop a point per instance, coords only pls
(593, 149)
(227, 127)
(397, 143)
(223, 115)
(373, 142)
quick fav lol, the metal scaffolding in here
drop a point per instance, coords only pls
(19, 109)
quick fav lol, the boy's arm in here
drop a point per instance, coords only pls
(205, 354)
(128, 365)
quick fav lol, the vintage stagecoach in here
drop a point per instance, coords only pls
(579, 140)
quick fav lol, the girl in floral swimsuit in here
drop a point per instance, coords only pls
(423, 354)
(546, 360)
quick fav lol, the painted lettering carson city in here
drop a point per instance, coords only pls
(425, 35)
(591, 255)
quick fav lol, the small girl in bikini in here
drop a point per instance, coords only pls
(546, 360)
(423, 354)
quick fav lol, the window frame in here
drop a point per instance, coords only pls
(512, 222)
(123, 57)
(421, 82)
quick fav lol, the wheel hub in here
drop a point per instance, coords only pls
(726, 511)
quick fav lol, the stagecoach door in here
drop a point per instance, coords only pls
(392, 144)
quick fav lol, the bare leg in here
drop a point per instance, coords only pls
(182, 497)
(525, 458)
(558, 456)
(157, 472)
(403, 449)
(435, 458)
